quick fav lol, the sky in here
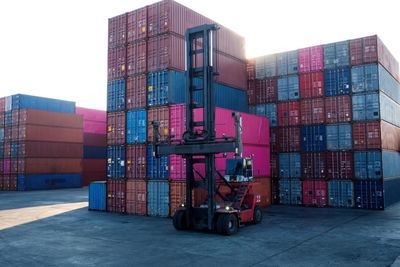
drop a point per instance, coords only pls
(58, 49)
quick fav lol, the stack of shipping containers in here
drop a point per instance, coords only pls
(334, 128)
(41, 143)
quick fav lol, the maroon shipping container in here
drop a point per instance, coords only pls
(340, 165)
(14, 166)
(50, 118)
(116, 128)
(50, 134)
(266, 90)
(2, 105)
(7, 150)
(116, 189)
(116, 63)
(31, 149)
(232, 72)
(49, 165)
(312, 111)
(289, 113)
(312, 85)
(13, 182)
(251, 92)
(7, 134)
(6, 179)
(275, 191)
(136, 197)
(88, 177)
(251, 69)
(14, 117)
(274, 166)
(137, 24)
(315, 193)
(273, 140)
(14, 133)
(90, 139)
(314, 165)
(94, 165)
(356, 51)
(117, 31)
(136, 92)
(136, 57)
(338, 109)
(366, 135)
(289, 139)
(160, 114)
(390, 136)
(1, 169)
(2, 117)
(136, 157)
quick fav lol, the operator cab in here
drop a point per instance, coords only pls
(239, 170)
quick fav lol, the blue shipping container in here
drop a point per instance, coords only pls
(14, 150)
(388, 84)
(94, 152)
(339, 137)
(289, 165)
(116, 95)
(157, 168)
(270, 65)
(268, 110)
(252, 110)
(260, 67)
(48, 181)
(1, 152)
(390, 110)
(313, 138)
(391, 191)
(341, 193)
(364, 78)
(287, 63)
(20, 101)
(369, 194)
(8, 103)
(290, 191)
(288, 88)
(1, 134)
(367, 165)
(365, 107)
(336, 55)
(158, 198)
(116, 162)
(136, 126)
(390, 164)
(97, 195)
(7, 119)
(337, 81)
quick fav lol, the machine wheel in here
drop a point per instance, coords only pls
(220, 222)
(230, 224)
(179, 220)
(257, 216)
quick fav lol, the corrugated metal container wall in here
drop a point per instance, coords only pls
(337, 81)
(116, 128)
(97, 195)
(369, 194)
(365, 78)
(116, 195)
(136, 126)
(391, 189)
(390, 160)
(288, 88)
(2, 104)
(262, 188)
(8, 103)
(20, 101)
(31, 149)
(259, 68)
(365, 107)
(117, 31)
(315, 193)
(274, 140)
(136, 92)
(339, 165)
(7, 119)
(339, 137)
(270, 65)
(390, 136)
(288, 113)
(251, 92)
(116, 63)
(314, 165)
(136, 196)
(366, 135)
(49, 165)
(160, 114)
(136, 160)
(311, 59)
(274, 166)
(268, 110)
(49, 118)
(313, 138)
(289, 165)
(312, 111)
(15, 117)
(341, 194)
(136, 24)
(49, 181)
(336, 55)
(290, 192)
(390, 110)
(158, 198)
(367, 165)
(338, 109)
(116, 95)
(91, 139)
(289, 139)
(165, 87)
(93, 152)
(388, 84)
(2, 118)
(92, 114)
(311, 85)
(1, 134)
(177, 196)
(115, 161)
(287, 63)
(177, 168)
(51, 134)
(250, 69)
(157, 168)
(136, 55)
(266, 90)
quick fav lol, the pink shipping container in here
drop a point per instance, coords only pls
(338, 109)
(94, 127)
(117, 31)
(312, 85)
(137, 24)
(6, 166)
(136, 58)
(313, 165)
(136, 161)
(92, 114)
(288, 113)
(116, 63)
(311, 59)
(266, 90)
(315, 193)
(312, 111)
(177, 168)
(2, 104)
(340, 165)
(116, 128)
(289, 139)
(136, 92)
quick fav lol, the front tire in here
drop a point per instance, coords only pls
(179, 220)
(230, 224)
(257, 215)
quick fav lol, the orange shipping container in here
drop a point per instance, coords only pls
(177, 196)
(262, 187)
(136, 197)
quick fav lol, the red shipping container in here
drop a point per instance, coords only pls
(90, 139)
(315, 193)
(136, 161)
(116, 128)
(390, 136)
(274, 140)
(14, 166)
(1, 177)
(136, 92)
(117, 31)
(6, 166)
(15, 133)
(2, 105)
(366, 135)
(136, 197)
(116, 63)
(13, 183)
(232, 72)
(6, 180)
(289, 113)
(251, 92)
(289, 139)
(312, 85)
(50, 118)
(15, 117)
(275, 191)
(7, 134)
(251, 68)
(312, 111)
(2, 117)
(136, 58)
(338, 109)
(266, 90)
(160, 114)
(116, 191)
(137, 24)
(262, 188)
(94, 165)
(356, 52)
(340, 165)
(49, 165)
(88, 177)
(7, 150)
(313, 165)
(177, 196)
(274, 166)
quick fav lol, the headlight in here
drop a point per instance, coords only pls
(182, 205)
(227, 208)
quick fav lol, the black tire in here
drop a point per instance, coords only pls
(230, 224)
(219, 224)
(257, 215)
(179, 220)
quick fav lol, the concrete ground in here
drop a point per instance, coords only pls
(55, 228)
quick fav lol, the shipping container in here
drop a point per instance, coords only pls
(313, 138)
(49, 165)
(21, 101)
(89, 176)
(1, 156)
(177, 196)
(289, 139)
(136, 55)
(391, 191)
(14, 166)
(33, 149)
(137, 24)
(365, 107)
(7, 150)
(95, 127)
(136, 92)
(90, 139)
(157, 168)
(259, 68)
(116, 195)
(389, 85)
(116, 162)
(158, 198)
(311, 85)
(177, 168)
(364, 78)
(15, 117)
(136, 161)
(366, 135)
(265, 90)
(390, 166)
(50, 118)
(94, 152)
(95, 165)
(49, 181)
(288, 88)
(250, 69)
(287, 63)
(274, 138)
(1, 135)
(311, 59)
(389, 110)
(2, 118)
(177, 115)
(92, 114)
(390, 136)
(262, 188)
(117, 31)
(136, 126)
(288, 113)
(336, 55)
(136, 196)
(2, 104)
(251, 92)
(160, 114)
(116, 95)
(116, 128)
(7, 118)
(340, 165)
(269, 111)
(97, 195)
(312, 111)
(289, 165)
(270, 66)
(368, 165)
(14, 149)
(49, 134)
(337, 82)
(275, 191)
(369, 194)
(338, 109)
(290, 191)
(8, 103)
(116, 63)
(314, 165)
(315, 193)
(341, 194)
(339, 137)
